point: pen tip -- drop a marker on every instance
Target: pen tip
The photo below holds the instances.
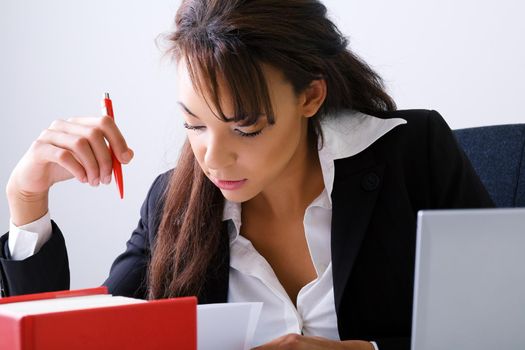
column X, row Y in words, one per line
column 106, row 95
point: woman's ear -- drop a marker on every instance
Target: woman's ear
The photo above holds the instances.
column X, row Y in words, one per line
column 312, row 97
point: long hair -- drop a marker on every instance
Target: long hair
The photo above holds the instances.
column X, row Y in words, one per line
column 228, row 41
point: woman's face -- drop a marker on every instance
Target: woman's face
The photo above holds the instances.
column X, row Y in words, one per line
column 257, row 156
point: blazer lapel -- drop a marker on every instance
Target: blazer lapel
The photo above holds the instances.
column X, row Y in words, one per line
column 356, row 186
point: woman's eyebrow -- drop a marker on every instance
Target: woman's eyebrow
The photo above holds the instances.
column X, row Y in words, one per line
column 187, row 110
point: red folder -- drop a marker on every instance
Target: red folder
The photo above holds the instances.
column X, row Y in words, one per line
column 155, row 324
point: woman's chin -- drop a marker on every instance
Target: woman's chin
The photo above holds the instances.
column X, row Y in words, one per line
column 238, row 196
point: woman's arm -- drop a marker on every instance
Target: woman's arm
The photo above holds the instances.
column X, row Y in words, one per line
column 48, row 269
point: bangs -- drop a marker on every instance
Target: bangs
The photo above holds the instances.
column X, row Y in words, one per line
column 240, row 74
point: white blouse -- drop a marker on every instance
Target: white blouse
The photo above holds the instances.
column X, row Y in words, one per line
column 251, row 276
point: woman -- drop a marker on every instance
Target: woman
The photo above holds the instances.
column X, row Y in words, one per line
column 298, row 185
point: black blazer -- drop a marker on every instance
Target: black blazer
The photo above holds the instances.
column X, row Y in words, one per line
column 376, row 196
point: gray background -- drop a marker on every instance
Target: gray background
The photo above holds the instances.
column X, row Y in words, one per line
column 462, row 58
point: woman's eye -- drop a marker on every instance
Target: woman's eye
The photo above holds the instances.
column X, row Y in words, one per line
column 248, row 134
column 191, row 127
column 241, row 133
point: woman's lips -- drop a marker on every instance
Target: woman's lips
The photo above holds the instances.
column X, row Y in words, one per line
column 229, row 185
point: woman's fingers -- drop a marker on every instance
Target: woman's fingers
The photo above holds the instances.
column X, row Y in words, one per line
column 81, row 148
column 62, row 157
column 111, row 133
column 99, row 132
column 97, row 143
column 299, row 342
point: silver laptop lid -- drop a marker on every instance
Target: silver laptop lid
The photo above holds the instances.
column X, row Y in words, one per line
column 469, row 288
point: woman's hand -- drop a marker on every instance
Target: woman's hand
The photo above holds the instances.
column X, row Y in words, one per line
column 300, row 342
column 75, row 147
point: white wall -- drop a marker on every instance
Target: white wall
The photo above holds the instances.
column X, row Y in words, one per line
column 462, row 58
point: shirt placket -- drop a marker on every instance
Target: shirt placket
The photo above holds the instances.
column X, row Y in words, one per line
column 260, row 269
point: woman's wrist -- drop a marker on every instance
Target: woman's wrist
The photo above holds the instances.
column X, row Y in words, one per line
column 26, row 207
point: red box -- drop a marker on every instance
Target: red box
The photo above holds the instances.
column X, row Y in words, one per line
column 155, row 324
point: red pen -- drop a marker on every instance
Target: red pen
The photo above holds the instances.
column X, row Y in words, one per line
column 107, row 109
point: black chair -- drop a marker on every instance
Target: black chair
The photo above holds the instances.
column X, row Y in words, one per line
column 497, row 153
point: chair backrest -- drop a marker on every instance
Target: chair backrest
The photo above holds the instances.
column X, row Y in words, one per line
column 497, row 153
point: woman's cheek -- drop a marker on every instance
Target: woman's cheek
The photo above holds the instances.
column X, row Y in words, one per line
column 199, row 150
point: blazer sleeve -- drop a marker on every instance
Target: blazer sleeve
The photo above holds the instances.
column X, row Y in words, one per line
column 45, row 271
column 450, row 183
column 128, row 273
column 48, row 270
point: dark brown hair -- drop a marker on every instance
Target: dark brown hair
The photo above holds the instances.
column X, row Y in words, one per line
column 228, row 41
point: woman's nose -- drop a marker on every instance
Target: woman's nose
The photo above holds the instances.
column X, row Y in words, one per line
column 219, row 154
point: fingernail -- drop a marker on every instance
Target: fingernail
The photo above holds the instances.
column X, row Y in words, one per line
column 107, row 179
column 95, row 182
column 126, row 156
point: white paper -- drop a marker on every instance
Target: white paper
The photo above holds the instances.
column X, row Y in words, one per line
column 227, row 326
column 35, row 307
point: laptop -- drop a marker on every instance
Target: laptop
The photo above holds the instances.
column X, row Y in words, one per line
column 469, row 288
